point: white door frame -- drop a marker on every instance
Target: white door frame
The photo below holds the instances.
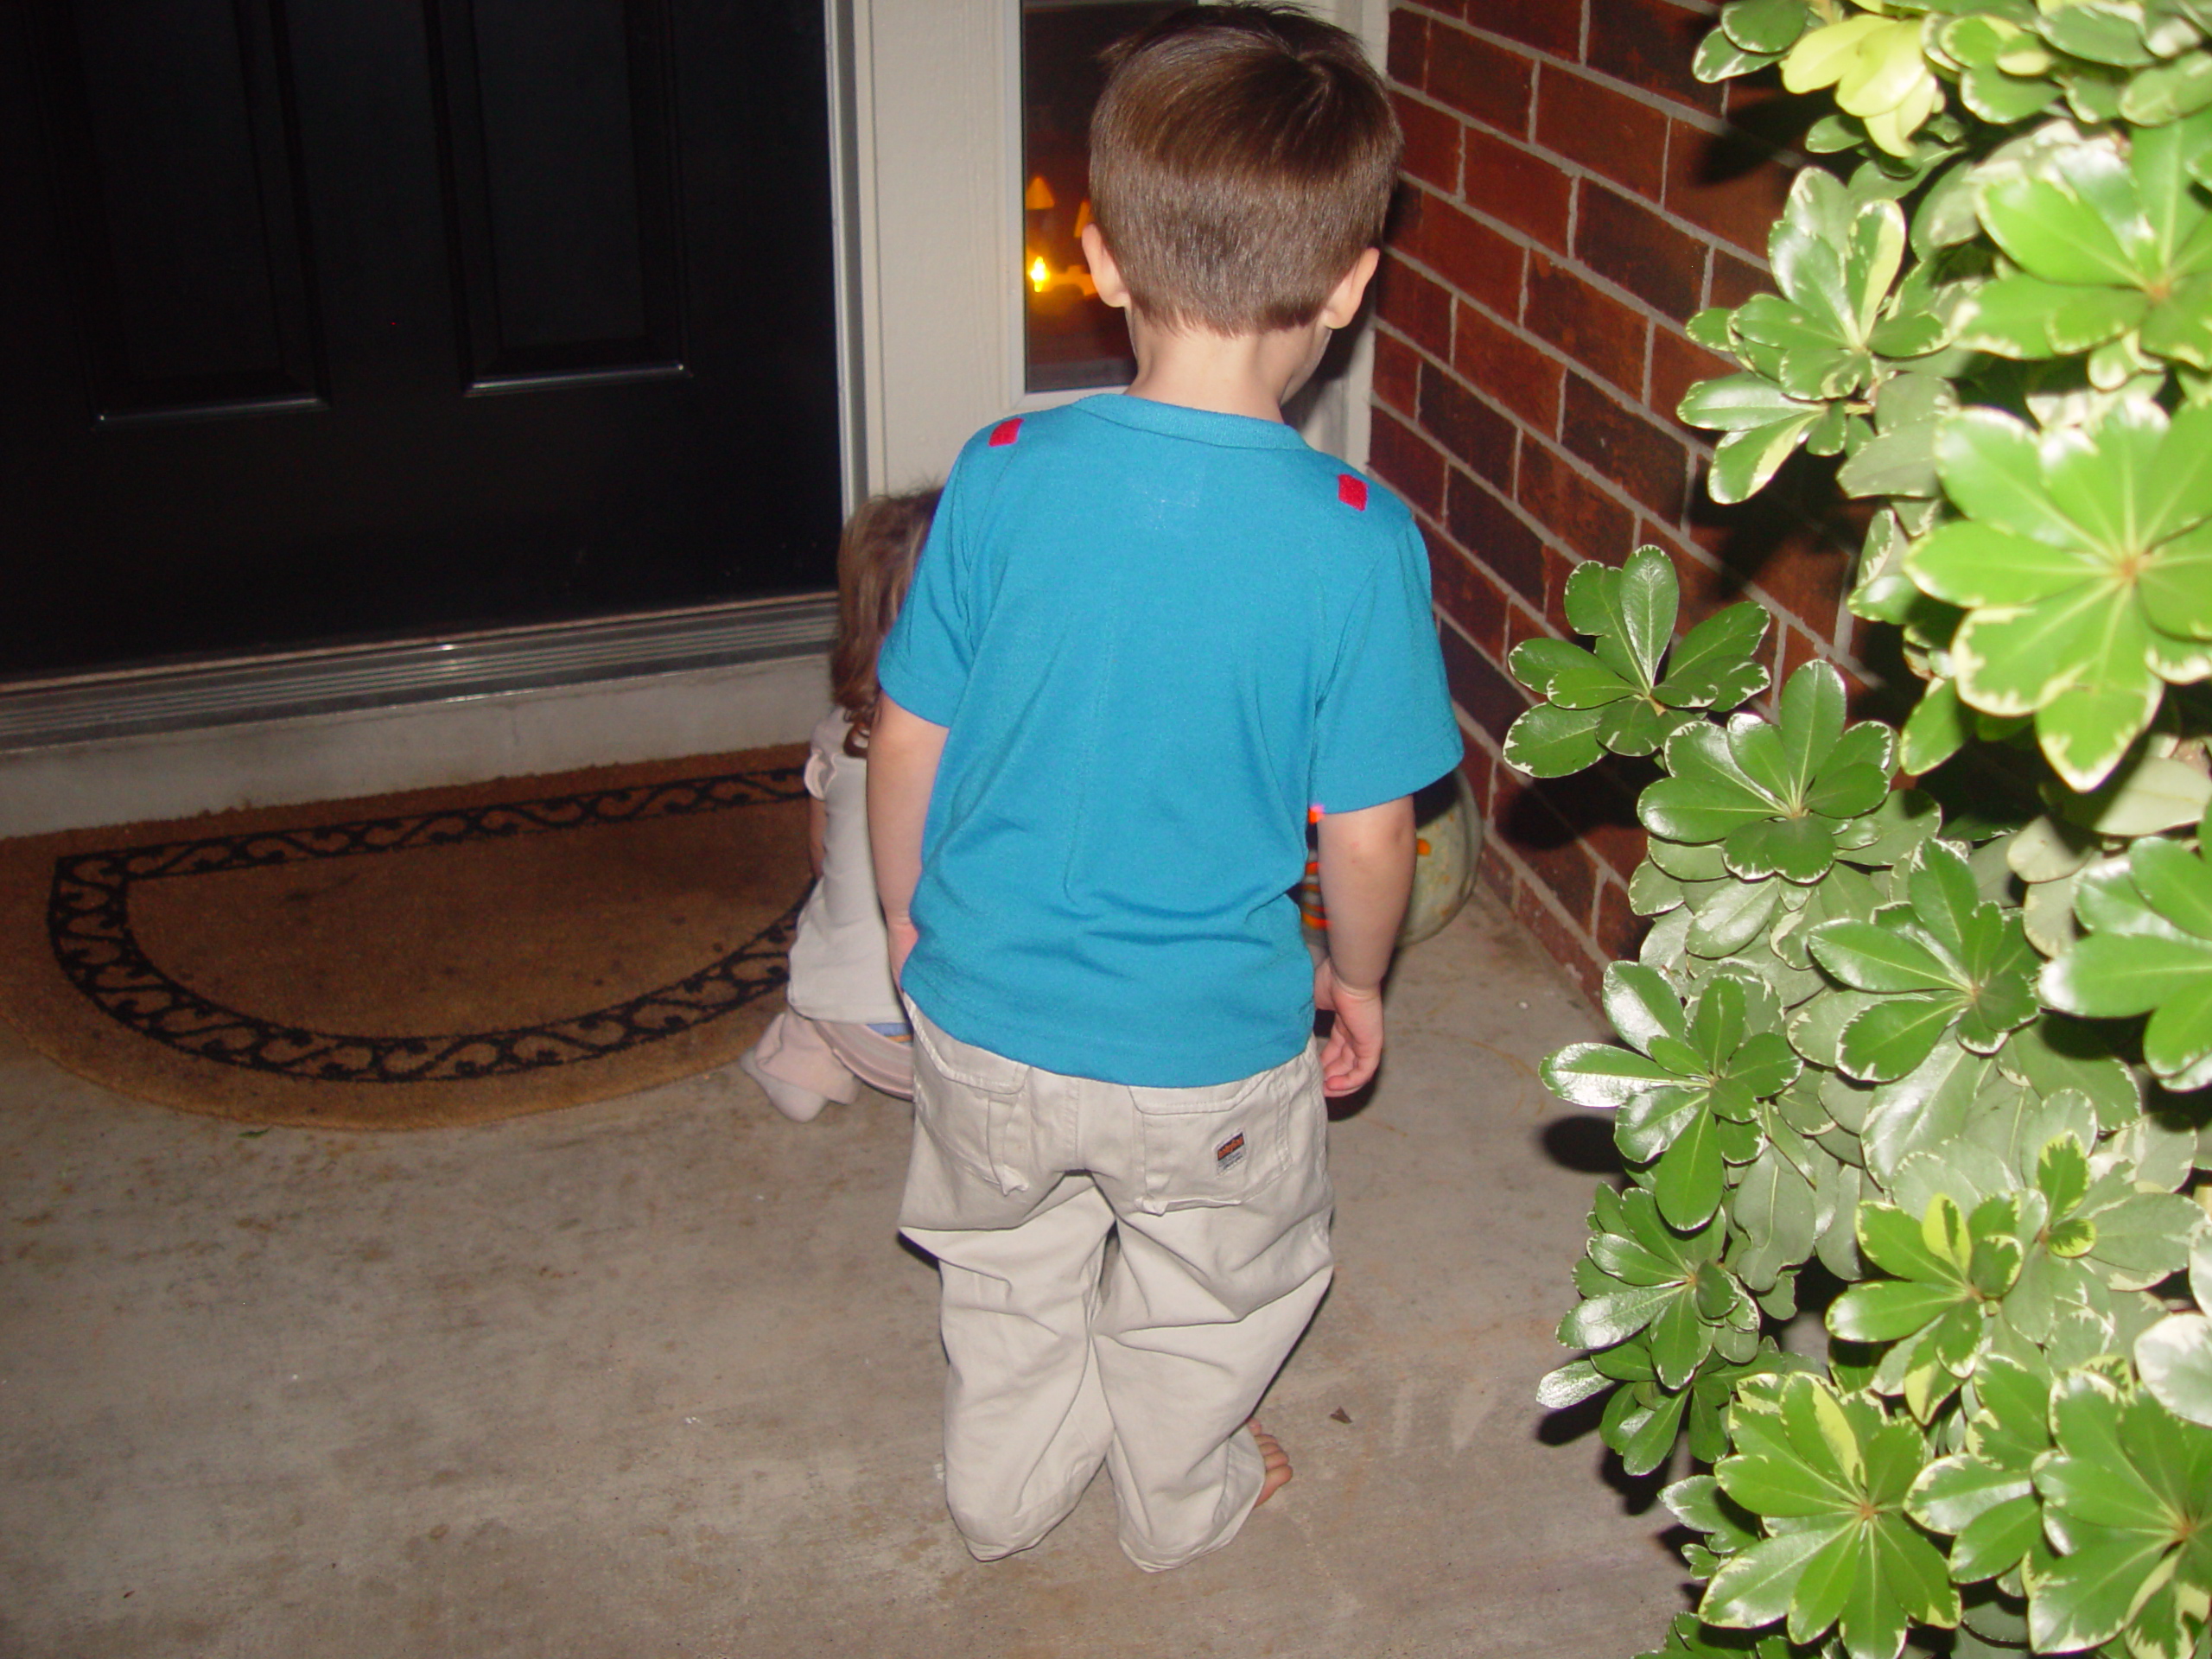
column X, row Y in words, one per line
column 925, row 100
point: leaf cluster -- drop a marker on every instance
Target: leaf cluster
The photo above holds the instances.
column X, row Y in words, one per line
column 1948, row 1084
column 1899, row 69
column 1840, row 1047
column 1629, row 692
column 2002, row 321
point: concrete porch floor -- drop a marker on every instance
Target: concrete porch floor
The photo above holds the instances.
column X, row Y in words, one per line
column 655, row 1378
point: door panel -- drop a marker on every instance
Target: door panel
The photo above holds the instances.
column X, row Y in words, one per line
column 564, row 210
column 182, row 204
column 326, row 230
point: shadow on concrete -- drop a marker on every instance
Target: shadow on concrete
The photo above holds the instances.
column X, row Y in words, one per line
column 1349, row 1106
column 1583, row 1141
column 1639, row 1494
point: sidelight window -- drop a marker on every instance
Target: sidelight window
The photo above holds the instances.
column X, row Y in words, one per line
column 1071, row 338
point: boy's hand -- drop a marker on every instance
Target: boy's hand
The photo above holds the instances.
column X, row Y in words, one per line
column 1355, row 1045
column 1367, row 870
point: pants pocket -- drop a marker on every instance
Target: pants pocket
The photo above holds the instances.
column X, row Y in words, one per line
column 967, row 1101
column 1218, row 1145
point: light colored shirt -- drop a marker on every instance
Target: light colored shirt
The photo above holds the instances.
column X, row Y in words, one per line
column 841, row 959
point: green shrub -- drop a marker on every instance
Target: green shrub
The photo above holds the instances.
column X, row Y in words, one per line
column 1914, row 1099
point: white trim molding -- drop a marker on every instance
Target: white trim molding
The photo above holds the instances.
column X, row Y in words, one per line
column 927, row 96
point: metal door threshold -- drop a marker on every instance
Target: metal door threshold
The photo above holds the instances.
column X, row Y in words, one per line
column 45, row 713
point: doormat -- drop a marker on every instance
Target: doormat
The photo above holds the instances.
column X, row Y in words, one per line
column 416, row 961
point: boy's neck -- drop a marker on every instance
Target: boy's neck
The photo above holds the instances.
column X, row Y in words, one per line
column 1229, row 374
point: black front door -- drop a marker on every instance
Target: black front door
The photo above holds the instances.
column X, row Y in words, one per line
column 324, row 320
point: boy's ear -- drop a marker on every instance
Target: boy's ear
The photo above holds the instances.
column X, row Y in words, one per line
column 1103, row 272
column 1343, row 303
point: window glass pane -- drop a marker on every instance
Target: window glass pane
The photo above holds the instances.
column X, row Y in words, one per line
column 1074, row 338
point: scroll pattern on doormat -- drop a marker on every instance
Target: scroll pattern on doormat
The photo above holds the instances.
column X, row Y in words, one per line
column 88, row 924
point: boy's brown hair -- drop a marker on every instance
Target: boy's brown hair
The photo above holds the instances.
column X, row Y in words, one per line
column 875, row 566
column 1241, row 157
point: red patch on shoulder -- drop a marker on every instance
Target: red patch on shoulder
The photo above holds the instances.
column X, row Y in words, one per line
column 1351, row 490
column 1005, row 432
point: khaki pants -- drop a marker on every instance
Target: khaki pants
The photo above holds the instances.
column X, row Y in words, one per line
column 1220, row 1198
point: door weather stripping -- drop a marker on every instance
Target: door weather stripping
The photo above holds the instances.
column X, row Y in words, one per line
column 87, row 708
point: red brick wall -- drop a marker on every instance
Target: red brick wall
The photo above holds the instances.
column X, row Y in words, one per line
column 1573, row 195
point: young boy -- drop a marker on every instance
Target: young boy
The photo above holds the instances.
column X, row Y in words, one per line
column 1149, row 634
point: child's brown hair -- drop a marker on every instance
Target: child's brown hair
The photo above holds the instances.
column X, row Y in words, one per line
column 1241, row 158
column 875, row 565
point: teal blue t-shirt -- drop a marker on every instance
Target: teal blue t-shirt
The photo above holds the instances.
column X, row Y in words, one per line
column 1157, row 636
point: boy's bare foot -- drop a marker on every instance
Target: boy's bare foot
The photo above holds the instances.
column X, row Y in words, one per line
column 1275, row 1461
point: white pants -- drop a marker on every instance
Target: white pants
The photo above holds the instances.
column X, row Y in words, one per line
column 832, row 1058
column 1220, row 1198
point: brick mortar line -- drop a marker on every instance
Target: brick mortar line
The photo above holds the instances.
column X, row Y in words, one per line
column 1567, row 167
column 1605, row 876
column 1573, row 215
column 1543, row 347
column 1601, row 872
column 1554, row 447
column 1829, row 652
column 1544, row 532
column 1511, row 499
column 1604, row 284
column 1445, row 618
column 1520, row 437
column 1513, row 598
column 1588, row 471
column 1825, row 646
column 1587, row 370
column 1549, row 899
column 1553, row 443
column 1828, row 646
column 1651, row 351
column 1574, row 172
column 1658, row 102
